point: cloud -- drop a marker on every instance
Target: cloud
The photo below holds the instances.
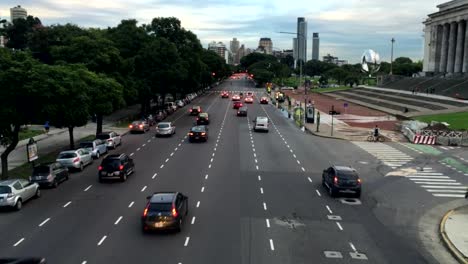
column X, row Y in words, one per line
column 346, row 27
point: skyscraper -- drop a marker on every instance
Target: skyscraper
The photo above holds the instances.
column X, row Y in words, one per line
column 295, row 49
column 219, row 48
column 302, row 39
column 18, row 12
column 266, row 44
column 234, row 45
column 315, row 46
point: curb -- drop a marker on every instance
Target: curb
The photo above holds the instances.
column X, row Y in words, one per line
column 448, row 244
column 323, row 136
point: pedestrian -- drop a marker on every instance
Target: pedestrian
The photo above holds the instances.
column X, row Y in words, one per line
column 376, row 133
column 46, row 127
column 413, row 90
column 427, row 91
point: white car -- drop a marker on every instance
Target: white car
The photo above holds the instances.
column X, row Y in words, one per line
column 14, row 192
column 75, row 159
column 113, row 139
column 180, row 103
column 261, row 123
column 165, row 129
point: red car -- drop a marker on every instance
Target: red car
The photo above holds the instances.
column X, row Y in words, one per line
column 264, row 100
column 248, row 100
column 224, row 95
column 237, row 105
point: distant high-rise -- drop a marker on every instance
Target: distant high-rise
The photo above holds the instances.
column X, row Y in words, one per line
column 266, row 44
column 234, row 45
column 302, row 39
column 219, row 48
column 315, row 46
column 295, row 48
column 18, row 12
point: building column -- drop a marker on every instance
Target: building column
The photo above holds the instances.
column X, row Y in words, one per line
column 465, row 55
column 460, row 46
column 444, row 48
column 440, row 30
column 451, row 47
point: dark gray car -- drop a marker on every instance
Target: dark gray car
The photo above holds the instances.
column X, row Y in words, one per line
column 49, row 174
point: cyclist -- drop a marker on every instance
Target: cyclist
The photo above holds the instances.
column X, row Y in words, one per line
column 376, row 133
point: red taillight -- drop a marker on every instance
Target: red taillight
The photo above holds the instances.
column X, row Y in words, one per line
column 130, row 126
column 203, row 133
column 145, row 212
column 335, row 180
column 76, row 160
column 359, row 181
column 190, row 134
column 141, row 126
column 197, row 118
column 190, row 110
column 174, row 212
column 100, row 168
column 121, row 167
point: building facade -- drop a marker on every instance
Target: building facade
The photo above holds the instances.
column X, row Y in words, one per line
column 2, row 42
column 446, row 39
column 18, row 12
column 302, row 39
column 315, row 46
column 267, row 45
column 220, row 49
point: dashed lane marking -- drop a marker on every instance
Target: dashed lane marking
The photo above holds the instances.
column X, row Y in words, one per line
column 206, row 177
column 352, row 246
column 318, row 193
column 198, row 204
column 264, row 206
column 193, row 220
column 339, row 226
column 187, row 239
column 154, row 175
column 44, row 222
column 138, row 149
column 310, row 180
column 259, row 178
column 162, row 166
column 19, row 242
column 118, row 220
column 131, row 204
column 202, row 189
column 261, row 190
column 267, row 223
column 172, row 154
column 87, row 188
column 131, row 154
column 329, row 210
column 102, row 240
column 67, row 204
column 143, row 189
column 272, row 246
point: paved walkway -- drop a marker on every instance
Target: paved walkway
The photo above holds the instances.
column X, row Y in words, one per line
column 454, row 231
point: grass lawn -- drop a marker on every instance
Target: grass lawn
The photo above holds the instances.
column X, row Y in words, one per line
column 333, row 89
column 27, row 133
column 457, row 121
column 25, row 170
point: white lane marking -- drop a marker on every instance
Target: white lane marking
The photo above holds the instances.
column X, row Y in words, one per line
column 291, row 150
column 256, row 167
column 143, row 189
column 255, row 155
column 256, row 161
column 289, row 146
column 67, row 204
column 214, row 149
column 102, row 240
column 310, row 180
column 19, row 242
column 87, row 188
column 272, row 246
column 253, row 150
column 131, row 204
column 176, row 149
column 187, row 239
column 253, row 146
column 298, row 162
column 209, row 166
column 180, row 144
column 193, row 220
column 167, row 160
column 162, row 166
column 261, row 190
column 294, row 155
column 44, row 222
column 172, row 154
column 259, row 178
column 352, row 246
column 84, row 262
column 138, row 149
column 206, row 177
column 213, row 155
column 154, row 176
column 318, row 193
column 264, row 206
column 198, row 204
column 268, row 223
column 143, row 145
column 211, row 160
column 203, row 189
column 149, row 140
column 339, row 226
column 303, row 169
column 329, row 210
column 118, row 220
column 131, row 154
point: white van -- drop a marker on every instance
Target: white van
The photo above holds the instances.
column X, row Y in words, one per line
column 261, row 123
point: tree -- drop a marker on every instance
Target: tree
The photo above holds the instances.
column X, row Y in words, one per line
column 252, row 58
column 317, row 68
column 288, row 61
column 262, row 76
column 19, row 30
column 338, row 74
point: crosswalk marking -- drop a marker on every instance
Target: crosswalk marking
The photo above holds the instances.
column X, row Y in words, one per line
column 385, row 153
column 438, row 184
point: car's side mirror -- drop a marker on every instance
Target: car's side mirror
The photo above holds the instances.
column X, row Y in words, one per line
column 148, row 197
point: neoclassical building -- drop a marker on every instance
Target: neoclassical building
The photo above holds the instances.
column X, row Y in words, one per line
column 446, row 39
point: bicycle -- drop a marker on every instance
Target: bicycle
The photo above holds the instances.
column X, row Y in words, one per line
column 379, row 138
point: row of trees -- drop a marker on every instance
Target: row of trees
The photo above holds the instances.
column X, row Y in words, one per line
column 65, row 74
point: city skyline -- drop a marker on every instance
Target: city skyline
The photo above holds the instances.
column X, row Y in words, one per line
column 344, row 32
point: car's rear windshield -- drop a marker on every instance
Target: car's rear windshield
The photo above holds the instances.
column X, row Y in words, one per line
column 67, row 155
column 195, row 107
column 86, row 145
column 136, row 123
column 5, row 189
column 203, row 115
column 41, row 170
column 198, row 129
column 160, row 207
column 163, row 125
column 347, row 174
column 103, row 136
column 111, row 163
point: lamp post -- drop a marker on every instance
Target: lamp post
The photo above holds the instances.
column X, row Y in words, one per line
column 300, row 75
column 391, row 58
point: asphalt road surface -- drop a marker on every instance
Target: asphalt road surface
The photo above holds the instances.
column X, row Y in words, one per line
column 253, row 198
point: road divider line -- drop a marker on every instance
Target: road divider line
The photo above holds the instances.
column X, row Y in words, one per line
column 211, row 160
column 144, row 144
column 329, row 210
column 339, row 226
column 203, row 189
column 87, row 188
column 310, row 180
column 149, row 140
column 131, row 204
column 294, row 155
column 118, row 220
column 44, row 222
column 256, row 167
column 302, row 169
column 176, row 149
column 267, row 223
column 298, row 162
column 172, row 154
column 143, row 189
column 193, row 220
column 264, row 206
column 206, row 177
column 318, row 193
column 102, row 240
column 213, row 155
column 352, row 246
column 187, row 239
column 162, row 166
column 154, row 175
column 198, row 204
column 272, row 246
column 259, row 178
column 19, row 242
column 209, row 166
column 138, row 149
column 261, row 190
column 84, row 262
column 131, row 154
column 256, row 161
column 67, row 204
column 167, row 160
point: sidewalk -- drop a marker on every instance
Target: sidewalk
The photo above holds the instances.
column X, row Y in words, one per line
column 454, row 232
column 58, row 139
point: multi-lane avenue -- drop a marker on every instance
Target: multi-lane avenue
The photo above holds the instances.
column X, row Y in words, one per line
column 253, row 198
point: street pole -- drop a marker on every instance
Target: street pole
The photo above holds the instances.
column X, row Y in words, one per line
column 391, row 58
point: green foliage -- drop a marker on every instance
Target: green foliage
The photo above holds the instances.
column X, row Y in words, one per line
column 253, row 58
column 19, row 30
column 457, row 121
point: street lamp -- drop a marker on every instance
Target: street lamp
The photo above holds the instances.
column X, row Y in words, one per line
column 391, row 58
column 300, row 73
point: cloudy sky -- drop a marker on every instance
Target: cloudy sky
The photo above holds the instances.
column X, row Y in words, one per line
column 346, row 27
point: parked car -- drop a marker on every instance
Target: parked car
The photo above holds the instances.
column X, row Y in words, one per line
column 75, row 159
column 139, row 126
column 164, row 211
column 14, row 192
column 242, row 111
column 116, row 166
column 180, row 103
column 49, row 174
column 160, row 116
column 338, row 179
column 165, row 129
column 97, row 147
column 111, row 138
column 171, row 105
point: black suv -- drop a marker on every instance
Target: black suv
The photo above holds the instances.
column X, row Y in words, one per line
column 338, row 179
column 203, row 119
column 164, row 210
column 116, row 166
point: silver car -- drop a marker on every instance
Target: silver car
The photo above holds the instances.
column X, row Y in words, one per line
column 97, row 147
column 14, row 192
column 165, row 129
column 113, row 139
column 75, row 159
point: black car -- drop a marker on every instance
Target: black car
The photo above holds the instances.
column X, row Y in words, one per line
column 164, row 210
column 203, row 119
column 49, row 174
column 341, row 179
column 242, row 111
column 198, row 133
column 195, row 110
column 116, row 166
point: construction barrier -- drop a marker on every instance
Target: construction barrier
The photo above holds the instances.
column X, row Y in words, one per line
column 426, row 140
